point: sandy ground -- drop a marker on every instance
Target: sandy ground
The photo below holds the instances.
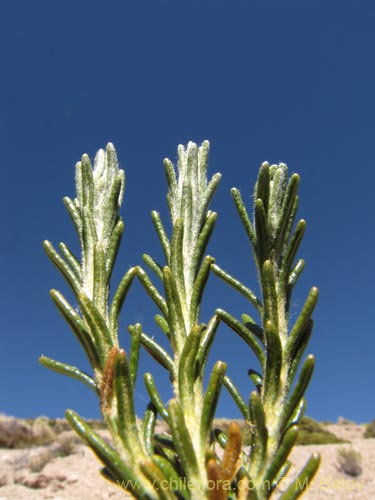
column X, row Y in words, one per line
column 76, row 476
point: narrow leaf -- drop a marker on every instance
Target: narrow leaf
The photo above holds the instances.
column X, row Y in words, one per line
column 245, row 219
column 175, row 315
column 78, row 326
column 157, row 478
column 211, row 397
column 155, row 396
column 153, row 265
column 119, row 297
column 237, row 285
column 303, row 480
column 253, row 326
column 244, row 333
column 161, row 234
column 62, row 266
column 207, row 337
column 96, row 323
column 187, row 365
column 155, row 350
column 238, row 399
column 262, row 187
column 198, row 288
column 270, row 297
column 108, row 456
column 182, row 439
column 282, row 453
column 127, row 422
column 74, row 215
column 299, row 327
column 70, row 371
column 71, row 260
column 257, row 379
column 134, row 353
column 294, row 399
column 271, row 381
column 152, row 291
column 203, row 239
column 113, row 247
column 260, row 433
column 148, row 425
column 262, row 232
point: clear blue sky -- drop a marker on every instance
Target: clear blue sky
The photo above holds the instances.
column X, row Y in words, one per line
column 277, row 81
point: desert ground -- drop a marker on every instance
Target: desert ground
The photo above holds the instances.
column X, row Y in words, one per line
column 36, row 473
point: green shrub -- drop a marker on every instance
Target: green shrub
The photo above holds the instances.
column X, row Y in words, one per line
column 349, row 461
column 185, row 459
column 311, row 432
column 370, row 430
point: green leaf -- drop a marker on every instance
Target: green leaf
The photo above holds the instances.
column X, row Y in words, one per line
column 262, row 187
column 148, row 426
column 71, row 261
column 187, row 365
column 295, row 398
column 182, row 439
column 175, row 316
column 70, row 371
column 127, row 422
column 207, row 337
column 157, row 478
column 161, row 234
column 256, row 378
column 286, row 212
column 298, row 350
column 68, row 273
column 198, row 288
column 303, row 480
column 155, row 396
column 152, row 291
column 170, row 174
column 292, row 248
column 262, row 232
column 203, row 239
column 108, row 456
column 270, row 296
column 245, row 219
column 113, row 247
column 119, row 297
column 78, row 327
column 74, row 215
column 176, row 483
column 253, row 326
column 155, row 350
column 163, row 324
column 271, row 381
column 211, row 398
column 153, row 265
column 260, row 433
column 135, row 346
column 237, row 285
column 97, row 325
column 244, row 333
column 299, row 329
column 282, row 453
column 177, row 258
column 238, row 399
